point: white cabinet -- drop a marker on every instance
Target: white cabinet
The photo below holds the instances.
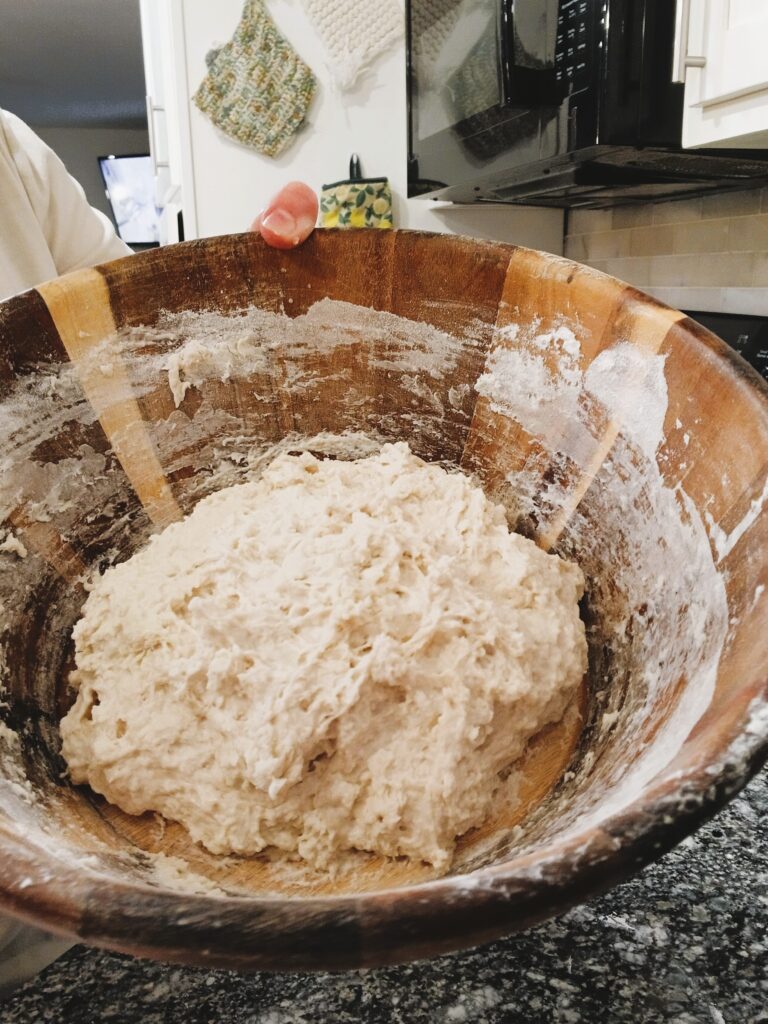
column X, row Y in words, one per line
column 723, row 57
column 162, row 28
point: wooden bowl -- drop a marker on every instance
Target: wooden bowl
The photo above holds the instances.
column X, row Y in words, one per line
column 614, row 431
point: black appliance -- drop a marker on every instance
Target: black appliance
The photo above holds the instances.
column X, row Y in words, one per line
column 565, row 103
column 747, row 334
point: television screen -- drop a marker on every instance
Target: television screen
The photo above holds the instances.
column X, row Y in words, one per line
column 130, row 187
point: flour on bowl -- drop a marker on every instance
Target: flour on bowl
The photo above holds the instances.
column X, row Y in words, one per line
column 597, row 495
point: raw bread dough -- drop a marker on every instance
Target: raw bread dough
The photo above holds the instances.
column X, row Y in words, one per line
column 340, row 655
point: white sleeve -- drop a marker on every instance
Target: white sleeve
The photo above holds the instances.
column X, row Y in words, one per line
column 77, row 235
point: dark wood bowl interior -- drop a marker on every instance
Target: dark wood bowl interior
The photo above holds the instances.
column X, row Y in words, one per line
column 612, row 429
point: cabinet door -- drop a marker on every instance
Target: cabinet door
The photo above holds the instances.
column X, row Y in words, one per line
column 726, row 97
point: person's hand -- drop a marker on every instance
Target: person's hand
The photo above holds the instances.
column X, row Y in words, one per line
column 289, row 218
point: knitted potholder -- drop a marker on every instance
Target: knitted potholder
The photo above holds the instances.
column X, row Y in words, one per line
column 353, row 35
column 257, row 89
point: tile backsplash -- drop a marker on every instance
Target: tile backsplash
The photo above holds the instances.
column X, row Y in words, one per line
column 709, row 253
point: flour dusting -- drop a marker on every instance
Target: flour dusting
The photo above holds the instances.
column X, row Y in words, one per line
column 662, row 604
column 261, row 342
column 631, row 386
column 725, row 542
column 175, row 873
column 11, row 545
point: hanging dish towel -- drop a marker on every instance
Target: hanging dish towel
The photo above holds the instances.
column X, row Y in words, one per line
column 356, row 202
column 354, row 34
column 257, row 88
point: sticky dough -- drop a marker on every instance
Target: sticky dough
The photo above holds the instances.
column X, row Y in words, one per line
column 340, row 655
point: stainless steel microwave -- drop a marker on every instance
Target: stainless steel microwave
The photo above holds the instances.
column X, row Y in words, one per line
column 554, row 103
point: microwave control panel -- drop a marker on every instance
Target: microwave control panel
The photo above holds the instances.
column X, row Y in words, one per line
column 572, row 44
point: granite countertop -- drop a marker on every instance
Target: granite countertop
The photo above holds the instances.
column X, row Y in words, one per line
column 686, row 941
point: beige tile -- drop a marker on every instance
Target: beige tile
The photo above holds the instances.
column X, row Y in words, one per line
column 588, row 221
column 720, row 270
column 662, row 294
column 677, row 212
column 576, row 247
column 702, row 236
column 600, row 265
column 704, row 299
column 633, row 216
column 749, row 234
column 759, row 270
column 605, row 245
column 752, row 301
column 730, row 204
column 668, row 271
column 707, row 299
column 651, row 241
column 701, row 271
column 635, row 270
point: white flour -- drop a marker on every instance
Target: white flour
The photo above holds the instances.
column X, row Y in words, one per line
column 726, row 542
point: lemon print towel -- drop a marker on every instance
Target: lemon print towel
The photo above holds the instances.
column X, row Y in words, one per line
column 356, row 202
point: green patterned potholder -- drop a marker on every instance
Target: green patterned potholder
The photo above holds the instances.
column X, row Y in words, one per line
column 356, row 202
column 257, row 89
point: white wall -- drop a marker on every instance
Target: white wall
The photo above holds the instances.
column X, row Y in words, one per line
column 80, row 149
column 232, row 182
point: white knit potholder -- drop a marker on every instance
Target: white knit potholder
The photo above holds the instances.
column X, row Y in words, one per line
column 354, row 33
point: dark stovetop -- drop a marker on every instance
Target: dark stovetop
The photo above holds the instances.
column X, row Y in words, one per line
column 747, row 334
column 682, row 943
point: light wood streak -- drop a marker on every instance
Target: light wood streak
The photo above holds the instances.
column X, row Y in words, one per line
column 80, row 308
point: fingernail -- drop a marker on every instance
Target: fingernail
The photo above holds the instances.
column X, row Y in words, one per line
column 283, row 225
column 306, row 225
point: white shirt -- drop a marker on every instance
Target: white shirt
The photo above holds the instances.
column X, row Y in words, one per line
column 47, row 227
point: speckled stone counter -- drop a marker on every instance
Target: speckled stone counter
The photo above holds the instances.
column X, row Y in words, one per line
column 685, row 942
